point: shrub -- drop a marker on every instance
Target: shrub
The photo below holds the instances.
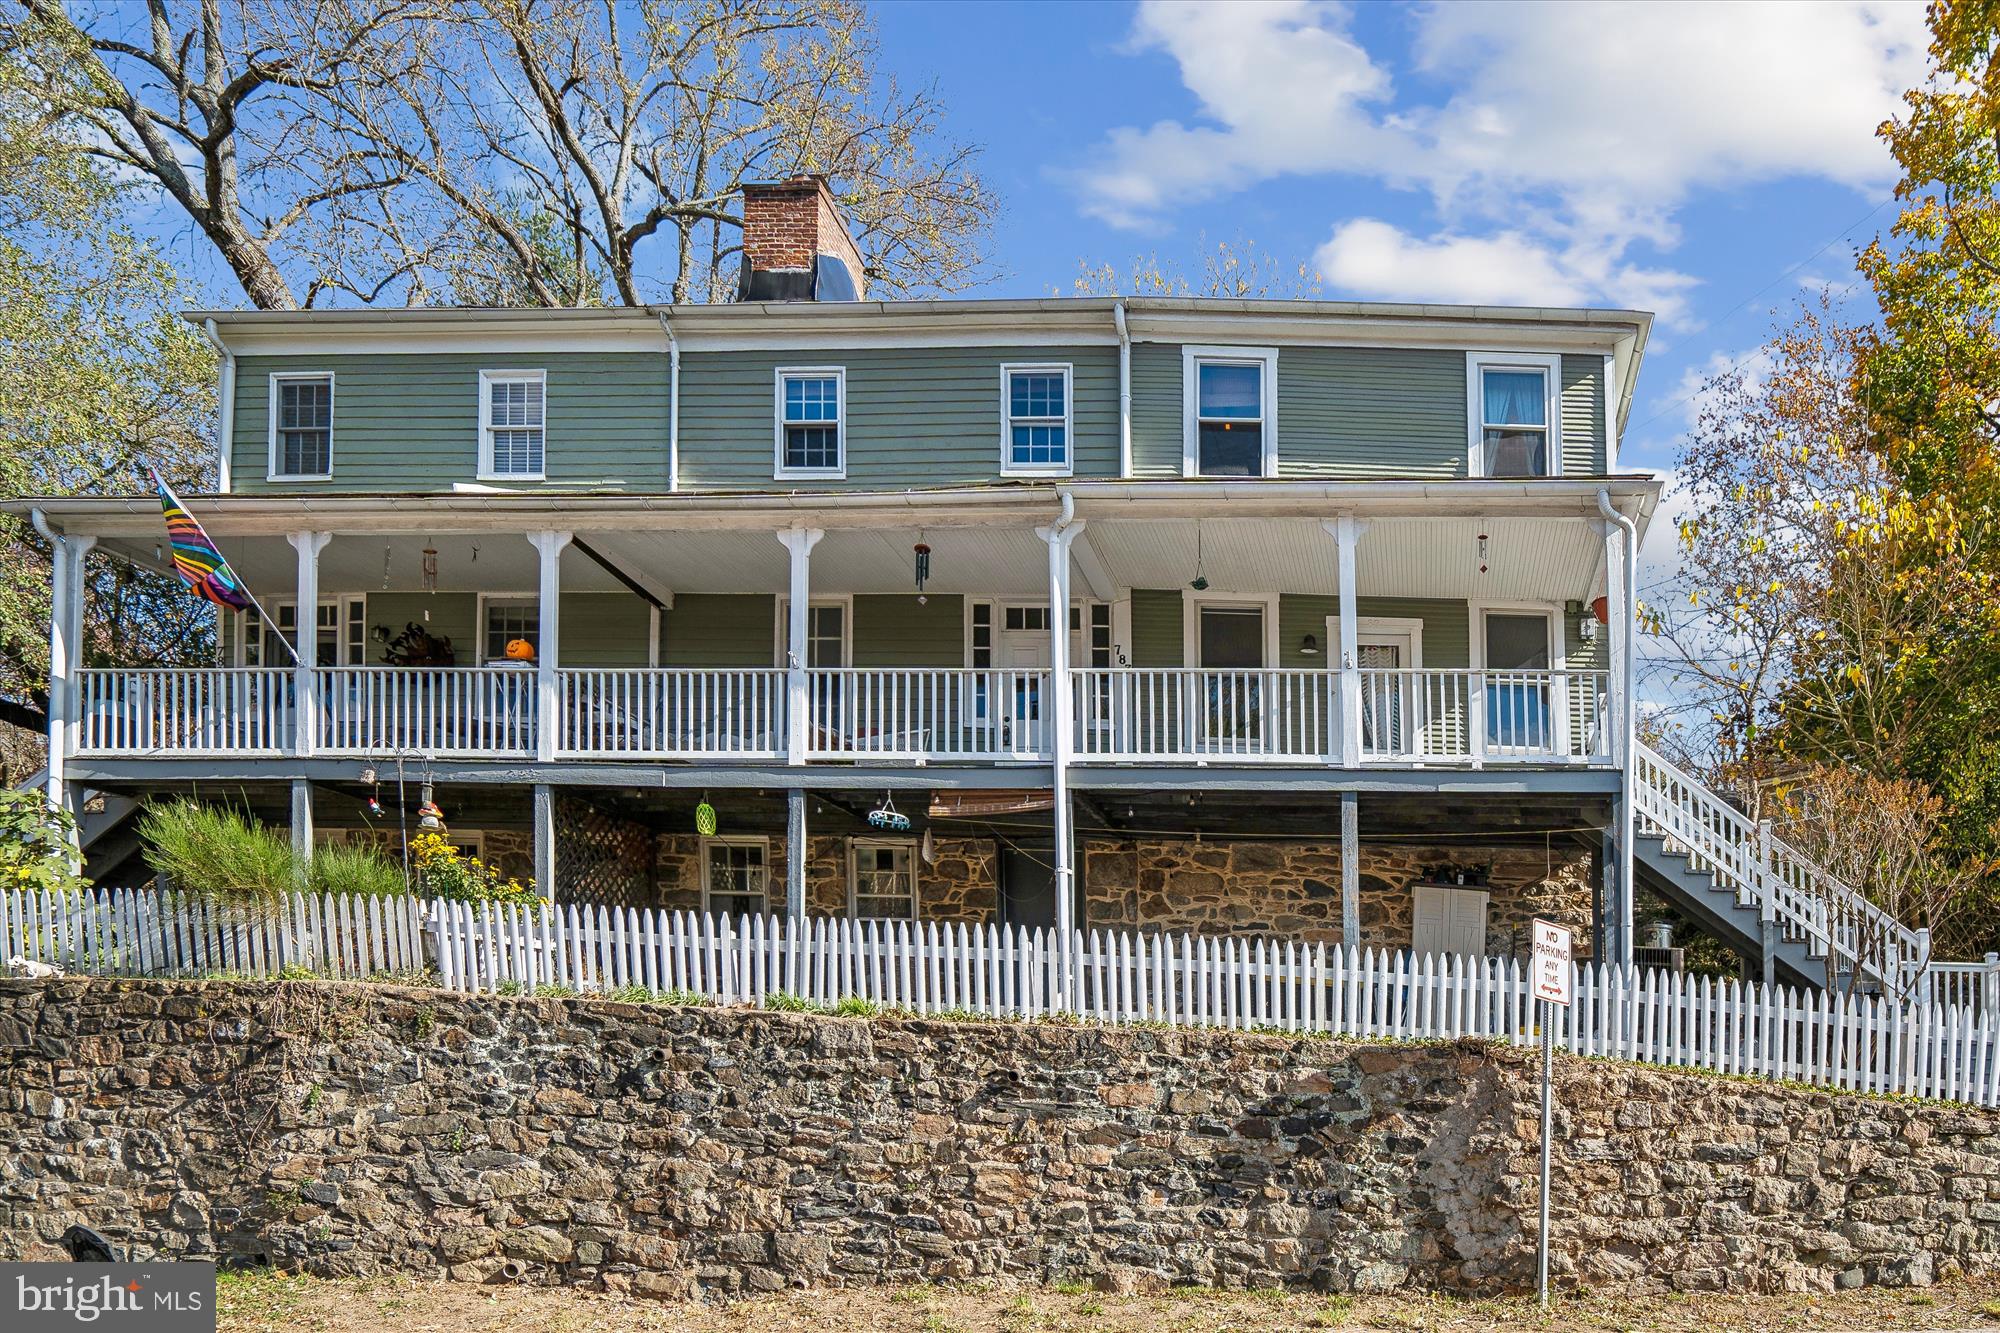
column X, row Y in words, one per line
column 35, row 845
column 347, row 869
column 447, row 873
column 218, row 853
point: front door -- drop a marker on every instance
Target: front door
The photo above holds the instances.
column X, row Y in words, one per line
column 1449, row 922
column 1027, row 887
column 1391, row 696
column 1231, row 647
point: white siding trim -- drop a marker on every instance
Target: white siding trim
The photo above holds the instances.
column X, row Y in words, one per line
column 1550, row 364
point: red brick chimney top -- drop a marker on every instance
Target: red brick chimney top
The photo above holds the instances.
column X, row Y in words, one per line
column 787, row 225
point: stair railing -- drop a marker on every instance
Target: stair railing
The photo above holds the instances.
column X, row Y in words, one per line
column 1769, row 874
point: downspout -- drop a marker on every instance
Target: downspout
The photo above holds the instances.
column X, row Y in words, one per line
column 1059, row 534
column 1124, row 393
column 1627, row 714
column 673, row 404
column 225, row 427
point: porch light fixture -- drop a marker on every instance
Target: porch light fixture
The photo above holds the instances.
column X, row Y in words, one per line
column 1309, row 646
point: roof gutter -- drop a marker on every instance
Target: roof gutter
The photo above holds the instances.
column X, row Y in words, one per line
column 225, row 425
column 673, row 404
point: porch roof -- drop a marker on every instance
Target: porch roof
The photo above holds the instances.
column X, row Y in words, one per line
column 1422, row 538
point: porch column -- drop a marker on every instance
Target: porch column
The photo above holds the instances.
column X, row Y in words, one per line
column 548, row 643
column 65, row 652
column 795, row 854
column 545, row 841
column 1617, row 553
column 305, row 643
column 1347, row 535
column 1062, row 741
column 1350, row 869
column 302, row 819
column 798, row 729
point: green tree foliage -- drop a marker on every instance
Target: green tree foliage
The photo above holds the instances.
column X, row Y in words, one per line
column 98, row 376
column 35, row 845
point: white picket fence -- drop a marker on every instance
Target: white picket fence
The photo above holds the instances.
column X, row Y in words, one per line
column 1862, row 1043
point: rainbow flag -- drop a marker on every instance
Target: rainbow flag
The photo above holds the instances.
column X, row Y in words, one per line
column 196, row 560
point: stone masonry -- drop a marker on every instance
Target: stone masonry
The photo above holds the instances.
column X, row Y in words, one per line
column 352, row 1129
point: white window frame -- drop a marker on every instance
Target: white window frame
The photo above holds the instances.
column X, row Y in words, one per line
column 1476, row 363
column 274, row 457
column 487, row 599
column 907, row 846
column 1191, row 604
column 1550, row 611
column 778, row 377
column 344, row 641
column 1381, row 627
column 488, row 378
column 1192, row 358
column 1009, row 468
column 782, row 632
column 763, row 844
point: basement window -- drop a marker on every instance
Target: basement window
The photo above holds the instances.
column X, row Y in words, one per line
column 882, row 879
column 735, row 876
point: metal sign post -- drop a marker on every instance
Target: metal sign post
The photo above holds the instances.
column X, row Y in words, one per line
column 1550, row 963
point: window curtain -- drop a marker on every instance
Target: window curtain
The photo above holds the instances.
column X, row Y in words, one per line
column 1516, row 398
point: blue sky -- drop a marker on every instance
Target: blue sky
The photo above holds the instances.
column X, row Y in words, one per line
column 1688, row 159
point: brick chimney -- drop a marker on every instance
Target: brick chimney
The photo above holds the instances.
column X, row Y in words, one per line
column 795, row 246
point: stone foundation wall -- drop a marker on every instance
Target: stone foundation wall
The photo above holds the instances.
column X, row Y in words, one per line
column 1293, row 888
column 360, row 1129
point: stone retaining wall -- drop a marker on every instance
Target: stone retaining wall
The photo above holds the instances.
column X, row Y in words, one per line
column 356, row 1129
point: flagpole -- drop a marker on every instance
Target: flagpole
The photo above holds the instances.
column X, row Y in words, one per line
column 263, row 616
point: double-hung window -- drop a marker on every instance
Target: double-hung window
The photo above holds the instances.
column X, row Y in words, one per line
column 812, row 421
column 1230, row 411
column 735, row 876
column 507, row 619
column 1515, row 414
column 512, row 427
column 301, row 427
column 1036, row 421
column 882, row 880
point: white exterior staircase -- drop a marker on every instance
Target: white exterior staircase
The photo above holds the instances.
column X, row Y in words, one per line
column 1756, row 892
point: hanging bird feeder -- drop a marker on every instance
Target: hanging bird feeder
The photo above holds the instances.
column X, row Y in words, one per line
column 887, row 816
column 429, row 817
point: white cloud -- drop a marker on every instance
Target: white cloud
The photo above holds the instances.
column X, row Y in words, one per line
column 1572, row 132
column 1371, row 258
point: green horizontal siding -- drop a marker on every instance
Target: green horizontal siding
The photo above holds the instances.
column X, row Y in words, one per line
column 719, row 630
column 891, row 630
column 410, row 422
column 1371, row 412
column 605, row 629
column 1156, row 627
column 1156, row 410
column 1446, row 627
column 453, row 615
column 1583, row 434
column 916, row 416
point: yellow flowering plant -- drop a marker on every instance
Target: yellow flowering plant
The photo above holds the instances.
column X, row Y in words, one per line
column 449, row 873
column 35, row 845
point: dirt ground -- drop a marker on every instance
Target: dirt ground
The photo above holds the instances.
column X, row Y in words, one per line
column 257, row 1303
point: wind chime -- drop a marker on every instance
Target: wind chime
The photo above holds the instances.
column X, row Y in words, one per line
column 923, row 554
column 430, row 575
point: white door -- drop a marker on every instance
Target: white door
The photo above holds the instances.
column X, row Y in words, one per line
column 1449, row 922
column 1022, row 644
column 1388, row 700
column 1230, row 641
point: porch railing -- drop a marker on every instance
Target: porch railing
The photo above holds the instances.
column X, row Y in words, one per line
column 673, row 714
column 1412, row 716
column 1195, row 714
column 186, row 710
column 436, row 710
column 926, row 713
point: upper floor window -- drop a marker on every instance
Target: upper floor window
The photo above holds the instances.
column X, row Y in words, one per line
column 301, row 427
column 1036, row 429
column 1230, row 411
column 512, row 428
column 1514, row 410
column 812, row 413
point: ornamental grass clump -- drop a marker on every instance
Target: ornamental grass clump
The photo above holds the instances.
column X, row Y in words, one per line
column 224, row 855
